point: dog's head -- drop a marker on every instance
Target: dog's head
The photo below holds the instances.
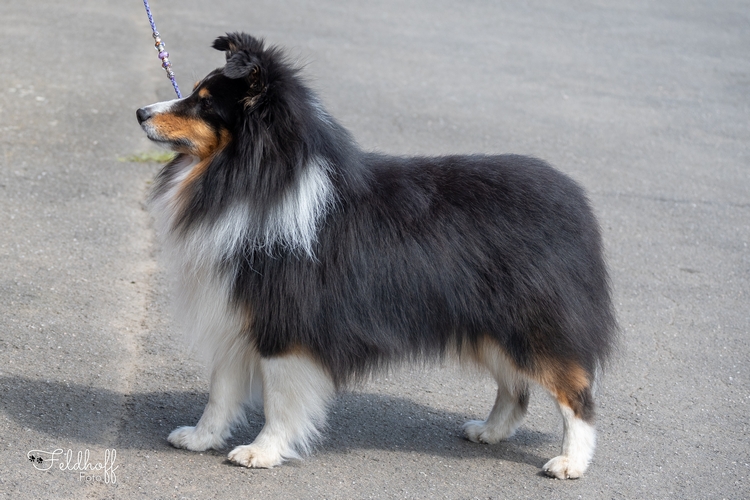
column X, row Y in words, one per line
column 208, row 119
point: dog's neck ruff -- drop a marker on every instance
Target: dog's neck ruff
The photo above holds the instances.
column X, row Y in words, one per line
column 291, row 224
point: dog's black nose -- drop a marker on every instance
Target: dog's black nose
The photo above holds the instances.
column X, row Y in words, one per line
column 142, row 114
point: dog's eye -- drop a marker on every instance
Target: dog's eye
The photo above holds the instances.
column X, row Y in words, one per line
column 206, row 103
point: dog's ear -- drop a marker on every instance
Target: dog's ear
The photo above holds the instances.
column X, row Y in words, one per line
column 235, row 42
column 242, row 65
column 226, row 44
column 241, row 52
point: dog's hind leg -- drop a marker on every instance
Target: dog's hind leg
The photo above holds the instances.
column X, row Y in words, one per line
column 511, row 402
column 506, row 416
column 571, row 387
column 296, row 392
column 234, row 380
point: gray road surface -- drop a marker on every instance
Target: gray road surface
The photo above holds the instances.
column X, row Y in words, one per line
column 646, row 103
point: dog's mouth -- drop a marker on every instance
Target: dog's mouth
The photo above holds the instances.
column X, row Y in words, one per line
column 153, row 134
column 175, row 144
column 181, row 145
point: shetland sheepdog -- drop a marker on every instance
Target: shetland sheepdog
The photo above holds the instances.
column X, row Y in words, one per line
column 304, row 264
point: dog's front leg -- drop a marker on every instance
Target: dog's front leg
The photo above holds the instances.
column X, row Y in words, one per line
column 296, row 392
column 234, row 379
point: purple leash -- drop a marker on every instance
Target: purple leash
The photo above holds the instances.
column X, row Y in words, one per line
column 163, row 54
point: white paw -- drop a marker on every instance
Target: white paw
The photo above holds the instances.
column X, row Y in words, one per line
column 191, row 439
column 479, row 432
column 251, row 455
column 563, row 467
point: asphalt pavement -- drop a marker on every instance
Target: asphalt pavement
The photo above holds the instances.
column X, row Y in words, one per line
column 646, row 104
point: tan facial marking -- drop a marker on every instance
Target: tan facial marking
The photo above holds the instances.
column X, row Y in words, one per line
column 202, row 138
column 200, row 168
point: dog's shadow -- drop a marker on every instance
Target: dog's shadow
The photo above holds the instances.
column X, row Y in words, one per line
column 74, row 412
